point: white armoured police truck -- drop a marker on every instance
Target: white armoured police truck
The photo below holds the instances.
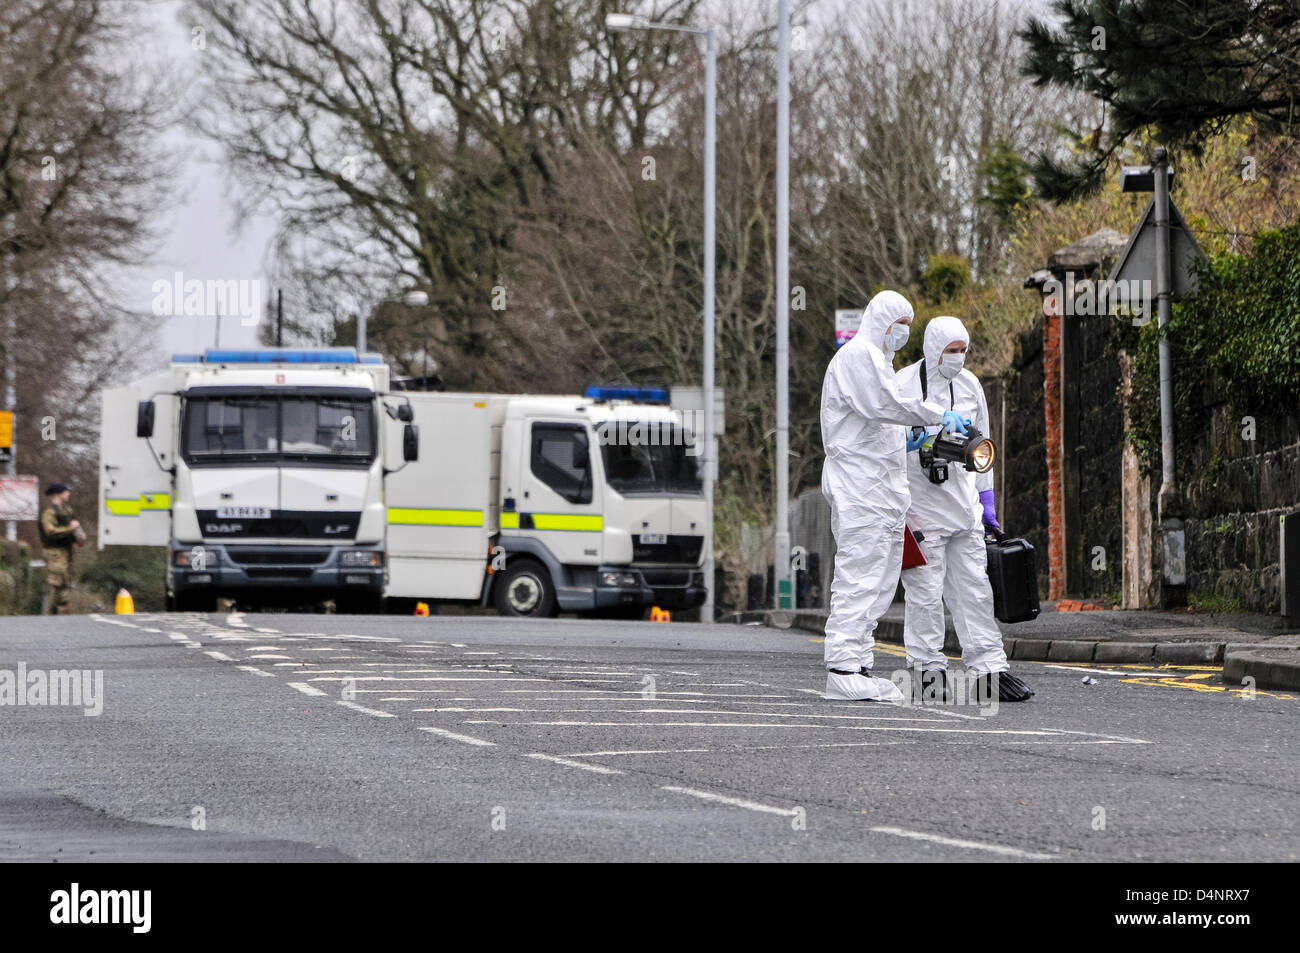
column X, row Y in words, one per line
column 289, row 477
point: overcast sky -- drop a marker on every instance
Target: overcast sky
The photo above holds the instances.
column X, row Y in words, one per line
column 200, row 236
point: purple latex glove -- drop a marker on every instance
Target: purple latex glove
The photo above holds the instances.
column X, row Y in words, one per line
column 990, row 512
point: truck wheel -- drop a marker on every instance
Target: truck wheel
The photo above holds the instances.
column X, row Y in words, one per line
column 525, row 589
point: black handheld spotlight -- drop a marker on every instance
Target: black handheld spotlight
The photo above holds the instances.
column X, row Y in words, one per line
column 971, row 449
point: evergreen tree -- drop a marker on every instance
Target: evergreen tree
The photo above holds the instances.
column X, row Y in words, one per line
column 1185, row 69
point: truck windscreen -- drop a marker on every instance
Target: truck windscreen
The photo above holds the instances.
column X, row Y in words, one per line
column 656, row 466
column 278, row 427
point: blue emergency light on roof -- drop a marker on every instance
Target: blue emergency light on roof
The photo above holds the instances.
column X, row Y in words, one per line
column 642, row 395
column 275, row 355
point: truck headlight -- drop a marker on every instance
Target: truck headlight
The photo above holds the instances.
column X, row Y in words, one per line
column 620, row 579
column 362, row 557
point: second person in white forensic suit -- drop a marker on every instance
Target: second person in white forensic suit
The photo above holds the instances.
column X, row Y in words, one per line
column 864, row 418
column 951, row 517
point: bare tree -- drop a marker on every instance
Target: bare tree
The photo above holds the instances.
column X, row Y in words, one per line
column 81, row 181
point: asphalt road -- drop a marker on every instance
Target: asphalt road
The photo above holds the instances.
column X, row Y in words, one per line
column 291, row 737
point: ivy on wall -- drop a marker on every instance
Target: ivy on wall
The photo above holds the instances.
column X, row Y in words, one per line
column 1236, row 340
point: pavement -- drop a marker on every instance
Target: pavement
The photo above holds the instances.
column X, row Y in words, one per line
column 323, row 737
column 1247, row 645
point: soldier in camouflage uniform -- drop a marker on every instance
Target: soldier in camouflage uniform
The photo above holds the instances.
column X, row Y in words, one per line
column 59, row 534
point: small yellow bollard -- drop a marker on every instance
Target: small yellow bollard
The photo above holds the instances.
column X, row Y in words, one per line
column 660, row 615
column 422, row 608
column 125, row 604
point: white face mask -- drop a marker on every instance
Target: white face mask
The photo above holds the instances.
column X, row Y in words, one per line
column 897, row 336
column 950, row 365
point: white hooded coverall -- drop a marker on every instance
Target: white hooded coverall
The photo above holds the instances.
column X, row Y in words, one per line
column 864, row 419
column 950, row 517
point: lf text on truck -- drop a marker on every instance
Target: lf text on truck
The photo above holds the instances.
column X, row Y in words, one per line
column 280, row 477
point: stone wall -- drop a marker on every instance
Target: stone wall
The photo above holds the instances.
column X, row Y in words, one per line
column 1233, row 491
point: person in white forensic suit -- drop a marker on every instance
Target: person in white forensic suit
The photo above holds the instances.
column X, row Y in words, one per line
column 865, row 418
column 951, row 518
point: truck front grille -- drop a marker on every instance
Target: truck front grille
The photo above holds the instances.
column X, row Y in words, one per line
column 678, row 549
column 291, row 557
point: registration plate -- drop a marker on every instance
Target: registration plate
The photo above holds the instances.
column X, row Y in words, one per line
column 243, row 512
column 654, row 539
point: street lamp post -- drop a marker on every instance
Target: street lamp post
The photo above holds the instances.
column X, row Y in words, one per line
column 627, row 23
column 781, row 535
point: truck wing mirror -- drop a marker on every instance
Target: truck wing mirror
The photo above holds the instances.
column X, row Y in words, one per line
column 144, row 413
column 579, row 456
column 410, row 443
column 405, row 413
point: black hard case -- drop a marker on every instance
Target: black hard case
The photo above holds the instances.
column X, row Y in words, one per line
column 1014, row 578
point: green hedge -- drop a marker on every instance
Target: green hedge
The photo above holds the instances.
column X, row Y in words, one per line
column 1236, row 339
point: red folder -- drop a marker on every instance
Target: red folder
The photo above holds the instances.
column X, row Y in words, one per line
column 912, row 555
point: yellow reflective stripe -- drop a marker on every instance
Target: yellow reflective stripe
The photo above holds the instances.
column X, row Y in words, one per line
column 592, row 524
column 145, row 501
column 555, row 521
column 415, row 516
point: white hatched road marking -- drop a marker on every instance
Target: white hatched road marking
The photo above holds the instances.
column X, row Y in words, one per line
column 732, row 801
column 255, row 670
column 570, row 763
column 444, row 733
column 373, row 712
column 306, row 689
column 219, row 656
column 969, row 844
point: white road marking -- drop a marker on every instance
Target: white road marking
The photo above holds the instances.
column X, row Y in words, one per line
column 569, row 763
column 219, row 656
column 444, row 733
column 306, row 689
column 969, row 844
column 421, row 678
column 733, row 801
column 366, row 711
column 688, row 711
column 178, row 636
column 608, row 754
column 255, row 670
column 269, row 656
column 1109, row 671
column 761, row 724
column 267, row 631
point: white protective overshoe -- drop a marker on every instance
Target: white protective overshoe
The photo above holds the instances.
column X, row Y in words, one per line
column 860, row 688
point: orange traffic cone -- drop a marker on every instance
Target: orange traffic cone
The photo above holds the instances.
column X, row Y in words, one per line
column 125, row 604
column 422, row 608
column 660, row 615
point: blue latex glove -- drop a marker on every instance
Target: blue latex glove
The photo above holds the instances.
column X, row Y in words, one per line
column 990, row 511
column 955, row 421
column 915, row 438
